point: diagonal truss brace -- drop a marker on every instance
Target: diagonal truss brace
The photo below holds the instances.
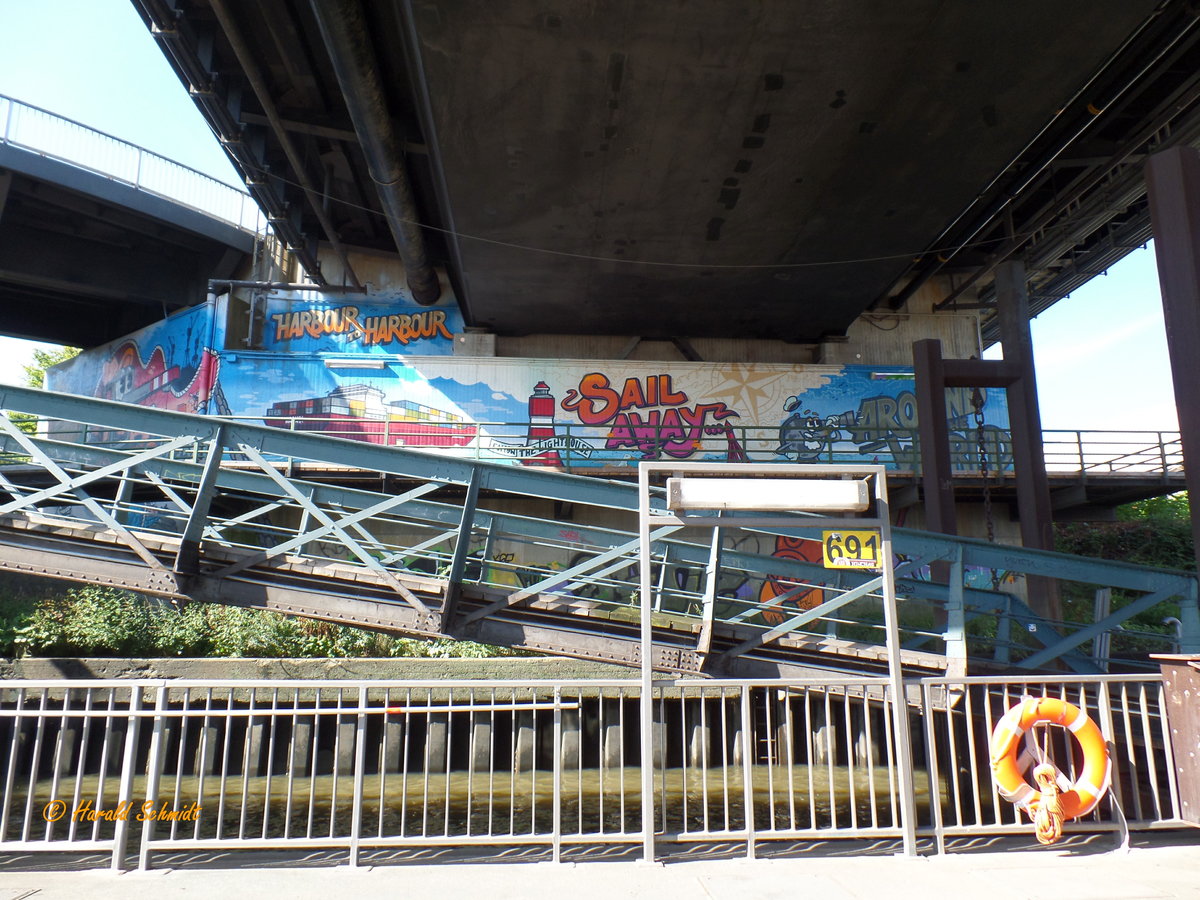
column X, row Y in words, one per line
column 187, row 560
column 69, row 485
column 331, row 526
column 711, row 574
column 1084, row 635
column 802, row 619
column 558, row 578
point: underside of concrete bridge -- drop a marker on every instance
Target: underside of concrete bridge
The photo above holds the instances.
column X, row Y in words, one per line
column 769, row 170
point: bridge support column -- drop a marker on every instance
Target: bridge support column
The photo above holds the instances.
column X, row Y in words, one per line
column 393, row 744
column 525, row 751
column 570, row 740
column 699, row 737
column 437, row 743
column 346, row 736
column 481, row 741
column 613, row 735
column 1173, row 188
column 823, row 742
column 1015, row 374
column 301, row 752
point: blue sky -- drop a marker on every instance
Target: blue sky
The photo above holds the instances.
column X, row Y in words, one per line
column 1101, row 354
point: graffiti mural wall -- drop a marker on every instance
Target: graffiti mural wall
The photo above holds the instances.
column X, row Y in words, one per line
column 384, row 373
column 172, row 364
column 594, row 414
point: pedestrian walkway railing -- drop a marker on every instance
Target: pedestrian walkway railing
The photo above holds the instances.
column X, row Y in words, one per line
column 583, row 448
column 138, row 768
column 53, row 136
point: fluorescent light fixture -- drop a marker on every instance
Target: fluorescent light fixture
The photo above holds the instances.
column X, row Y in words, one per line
column 767, row 494
column 365, row 362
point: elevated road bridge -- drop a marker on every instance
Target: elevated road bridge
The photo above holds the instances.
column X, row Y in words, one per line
column 98, row 237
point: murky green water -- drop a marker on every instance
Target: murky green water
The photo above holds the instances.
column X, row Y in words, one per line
column 594, row 801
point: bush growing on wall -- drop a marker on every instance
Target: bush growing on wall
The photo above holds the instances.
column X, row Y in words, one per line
column 97, row 621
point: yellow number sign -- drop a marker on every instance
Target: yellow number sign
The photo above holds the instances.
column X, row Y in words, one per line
column 850, row 549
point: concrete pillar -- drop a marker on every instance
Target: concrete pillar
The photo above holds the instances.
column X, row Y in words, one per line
column 255, row 729
column 393, row 744
column 613, row 737
column 206, row 749
column 866, row 747
column 823, row 745
column 737, row 745
column 785, row 750
column 347, row 730
column 301, row 749
column 699, row 748
column 437, row 743
column 524, row 753
column 571, row 735
column 481, row 741
column 659, row 736
column 68, row 737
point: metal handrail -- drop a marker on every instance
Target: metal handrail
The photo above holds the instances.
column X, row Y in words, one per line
column 57, row 137
column 1066, row 452
column 356, row 764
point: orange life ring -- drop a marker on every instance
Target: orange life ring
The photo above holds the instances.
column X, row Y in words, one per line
column 1093, row 780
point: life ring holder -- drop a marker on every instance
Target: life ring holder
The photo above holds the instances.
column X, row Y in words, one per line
column 1007, row 768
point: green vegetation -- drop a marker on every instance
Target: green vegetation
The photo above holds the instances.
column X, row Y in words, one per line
column 96, row 621
column 35, row 373
column 1155, row 532
column 35, row 377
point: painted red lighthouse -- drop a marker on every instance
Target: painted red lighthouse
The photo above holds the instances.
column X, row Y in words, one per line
column 541, row 426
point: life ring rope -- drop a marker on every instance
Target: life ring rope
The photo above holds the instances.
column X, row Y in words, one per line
column 1055, row 797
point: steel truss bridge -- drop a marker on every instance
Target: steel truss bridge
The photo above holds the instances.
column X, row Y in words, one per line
column 191, row 508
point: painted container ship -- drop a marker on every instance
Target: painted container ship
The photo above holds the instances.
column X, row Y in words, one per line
column 359, row 412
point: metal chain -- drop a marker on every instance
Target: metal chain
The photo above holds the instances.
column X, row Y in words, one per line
column 981, row 446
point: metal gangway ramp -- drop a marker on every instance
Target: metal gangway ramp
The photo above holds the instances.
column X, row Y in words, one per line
column 195, row 508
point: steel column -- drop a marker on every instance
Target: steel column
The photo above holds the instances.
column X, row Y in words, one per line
column 936, row 479
column 1173, row 189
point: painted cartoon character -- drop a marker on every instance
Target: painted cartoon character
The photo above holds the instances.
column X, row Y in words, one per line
column 806, row 435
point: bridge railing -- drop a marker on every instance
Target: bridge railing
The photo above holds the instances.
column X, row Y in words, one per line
column 128, row 769
column 577, row 447
column 43, row 132
column 131, row 474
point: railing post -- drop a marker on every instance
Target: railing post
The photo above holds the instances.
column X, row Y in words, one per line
column 125, row 790
column 153, row 772
column 748, row 771
column 360, row 750
column 935, row 794
column 556, row 837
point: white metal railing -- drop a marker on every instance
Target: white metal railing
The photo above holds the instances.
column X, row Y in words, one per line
column 149, row 766
column 56, row 137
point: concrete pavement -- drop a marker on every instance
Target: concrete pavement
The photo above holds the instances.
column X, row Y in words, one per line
column 1088, row 872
